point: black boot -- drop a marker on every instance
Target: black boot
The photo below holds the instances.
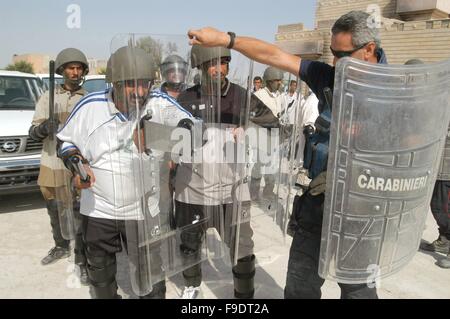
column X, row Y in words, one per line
column 102, row 276
column 158, row 291
column 193, row 276
column 244, row 274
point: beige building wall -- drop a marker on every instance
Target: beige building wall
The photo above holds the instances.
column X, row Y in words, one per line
column 39, row 61
column 427, row 39
column 95, row 66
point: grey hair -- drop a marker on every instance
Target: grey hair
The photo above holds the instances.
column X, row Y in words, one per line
column 358, row 24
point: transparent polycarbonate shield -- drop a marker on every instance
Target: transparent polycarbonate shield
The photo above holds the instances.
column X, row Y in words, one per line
column 68, row 205
column 160, row 242
column 66, row 196
column 207, row 172
column 388, row 129
column 267, row 147
column 444, row 169
column 290, row 137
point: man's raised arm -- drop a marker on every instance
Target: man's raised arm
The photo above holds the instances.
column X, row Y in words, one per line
column 254, row 49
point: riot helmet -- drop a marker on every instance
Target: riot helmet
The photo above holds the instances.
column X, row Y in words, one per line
column 130, row 63
column 132, row 72
column 71, row 55
column 203, row 58
column 201, row 55
column 174, row 70
column 272, row 78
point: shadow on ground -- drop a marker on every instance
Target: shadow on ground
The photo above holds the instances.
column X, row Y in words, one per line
column 21, row 202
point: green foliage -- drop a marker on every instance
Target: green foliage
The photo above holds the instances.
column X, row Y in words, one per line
column 21, row 66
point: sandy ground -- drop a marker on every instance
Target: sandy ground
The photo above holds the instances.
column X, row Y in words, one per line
column 26, row 238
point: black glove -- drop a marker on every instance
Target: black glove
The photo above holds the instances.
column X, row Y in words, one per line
column 41, row 131
column 49, row 126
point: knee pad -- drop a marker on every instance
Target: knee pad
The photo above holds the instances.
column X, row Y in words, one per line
column 191, row 241
column 102, row 275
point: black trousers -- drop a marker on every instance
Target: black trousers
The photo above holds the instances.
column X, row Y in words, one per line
column 219, row 217
column 440, row 207
column 103, row 239
column 52, row 210
column 55, row 207
column 303, row 280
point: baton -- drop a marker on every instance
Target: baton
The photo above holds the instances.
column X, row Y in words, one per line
column 51, row 95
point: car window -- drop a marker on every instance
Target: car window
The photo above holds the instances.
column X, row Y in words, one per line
column 18, row 92
column 94, row 85
column 46, row 81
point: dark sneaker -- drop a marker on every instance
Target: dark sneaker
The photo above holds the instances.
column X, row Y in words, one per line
column 84, row 279
column 440, row 245
column 55, row 254
column 445, row 262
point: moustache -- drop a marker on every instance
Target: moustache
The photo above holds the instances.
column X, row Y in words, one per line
column 135, row 97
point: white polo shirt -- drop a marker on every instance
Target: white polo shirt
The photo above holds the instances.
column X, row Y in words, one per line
column 165, row 109
column 104, row 136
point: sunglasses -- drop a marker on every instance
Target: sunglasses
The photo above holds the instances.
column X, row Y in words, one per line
column 342, row 54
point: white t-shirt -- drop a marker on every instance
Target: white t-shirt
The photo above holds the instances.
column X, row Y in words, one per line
column 290, row 106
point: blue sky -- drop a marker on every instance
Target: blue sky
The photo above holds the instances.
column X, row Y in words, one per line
column 40, row 26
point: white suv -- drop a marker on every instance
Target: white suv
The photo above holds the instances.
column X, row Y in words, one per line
column 95, row 83
column 45, row 80
column 19, row 154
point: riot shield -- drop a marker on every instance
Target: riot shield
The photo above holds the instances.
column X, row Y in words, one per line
column 444, row 168
column 388, row 128
column 291, row 134
column 151, row 157
column 207, row 172
column 265, row 172
column 67, row 198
